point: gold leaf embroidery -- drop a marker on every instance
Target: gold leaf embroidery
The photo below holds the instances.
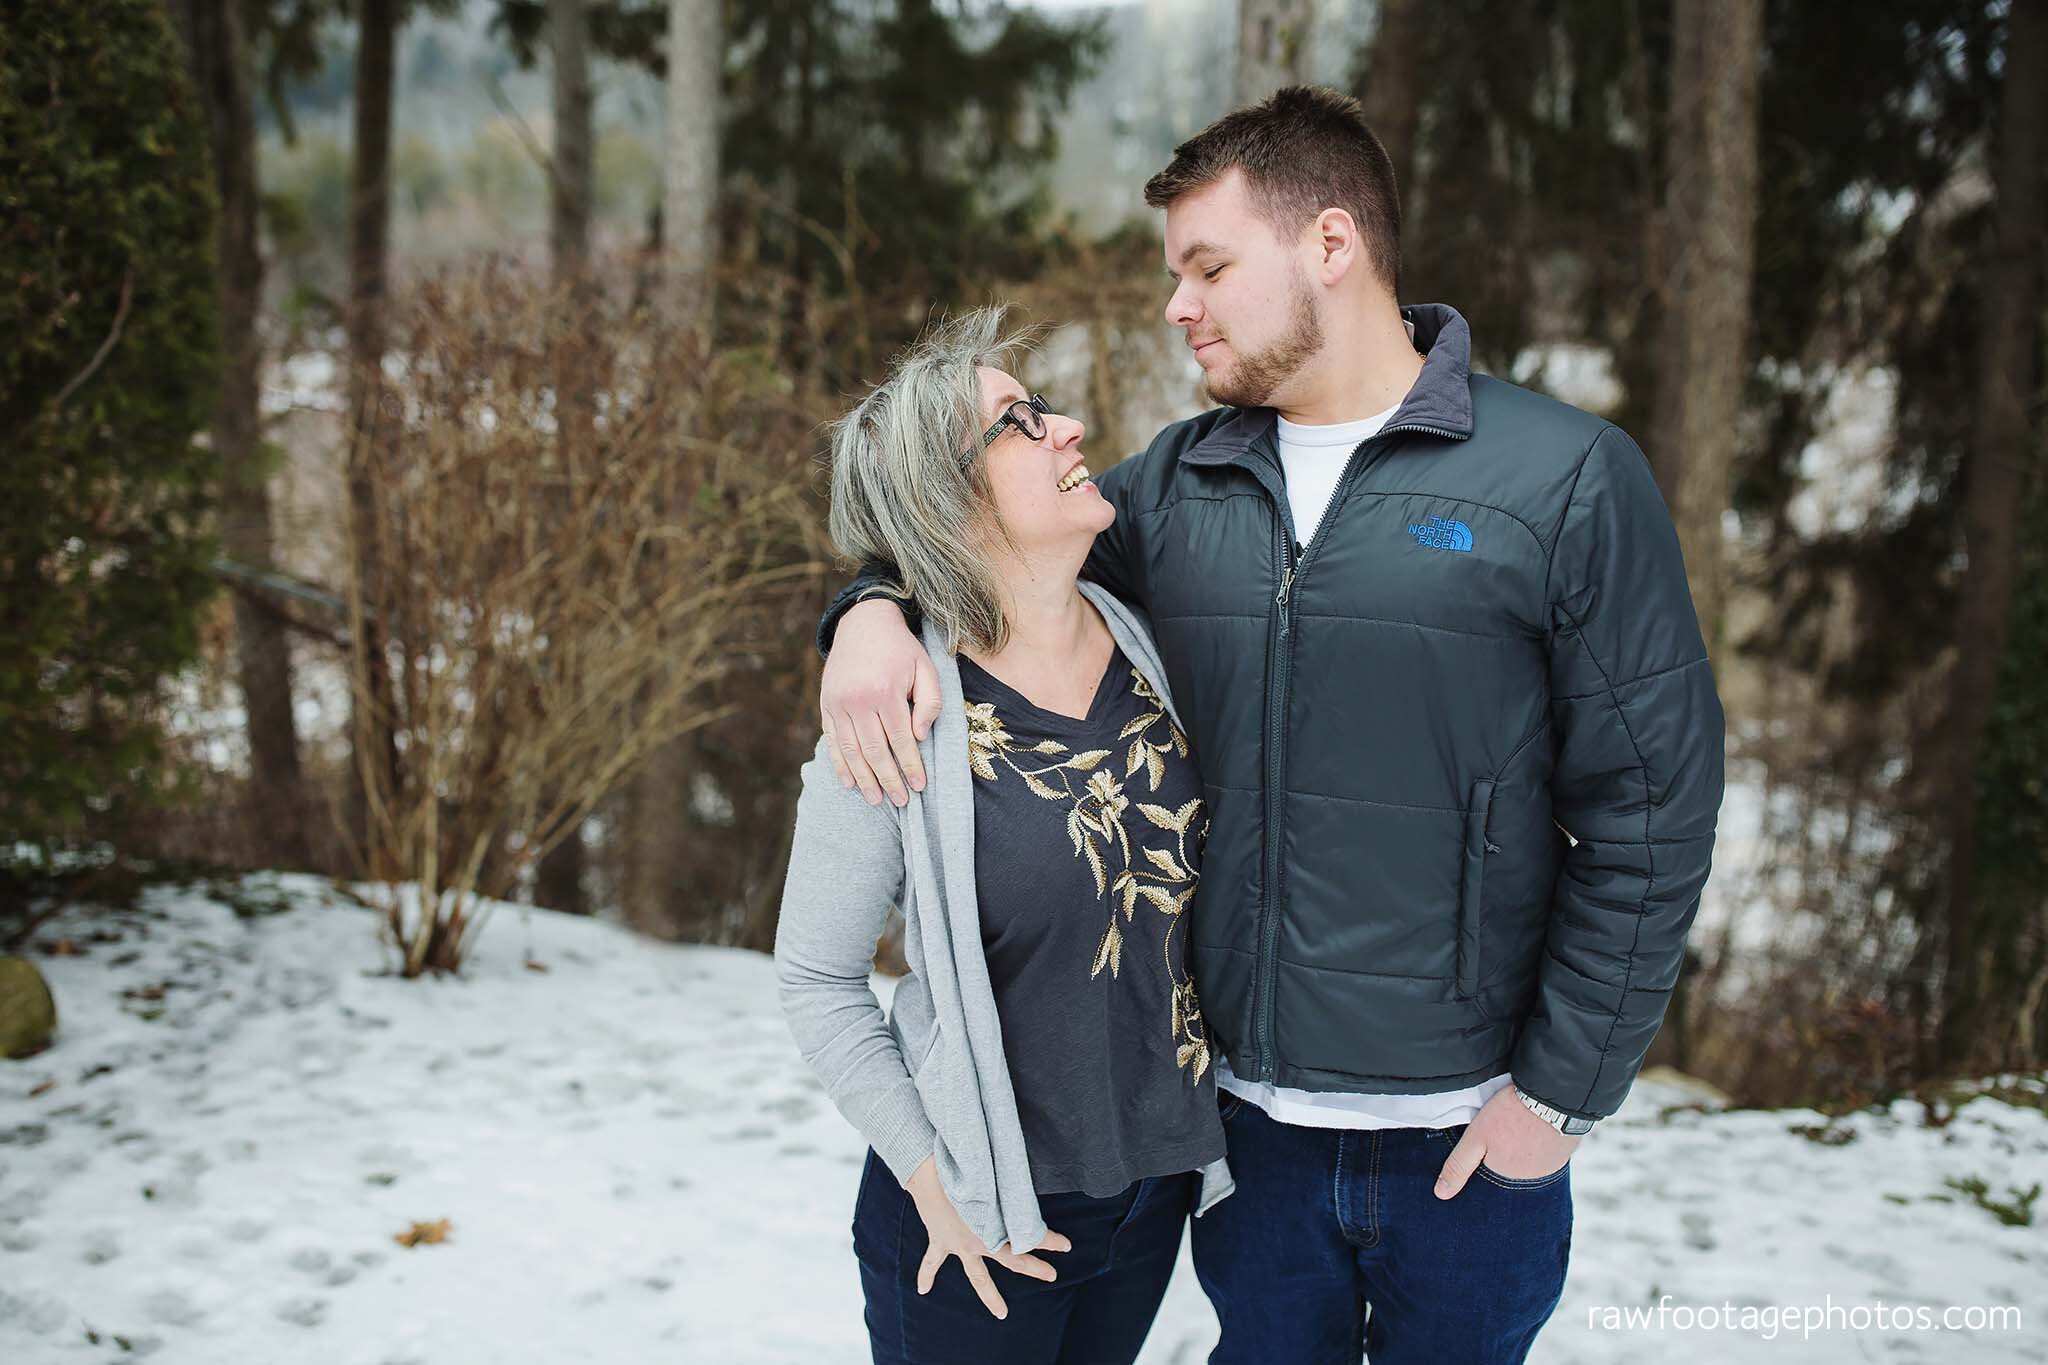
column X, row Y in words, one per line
column 1158, row 815
column 1095, row 866
column 1031, row 781
column 1165, row 880
column 1163, row 860
column 1110, row 951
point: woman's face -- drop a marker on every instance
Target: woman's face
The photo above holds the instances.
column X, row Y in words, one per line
column 1042, row 492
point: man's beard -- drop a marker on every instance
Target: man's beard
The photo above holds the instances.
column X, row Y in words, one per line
column 1250, row 383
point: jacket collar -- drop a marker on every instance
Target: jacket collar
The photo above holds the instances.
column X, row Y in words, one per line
column 1440, row 398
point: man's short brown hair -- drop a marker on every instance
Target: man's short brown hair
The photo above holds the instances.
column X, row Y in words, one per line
column 1305, row 149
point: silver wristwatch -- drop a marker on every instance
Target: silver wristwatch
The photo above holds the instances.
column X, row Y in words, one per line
column 1571, row 1125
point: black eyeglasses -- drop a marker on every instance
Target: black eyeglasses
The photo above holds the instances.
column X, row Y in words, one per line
column 1026, row 414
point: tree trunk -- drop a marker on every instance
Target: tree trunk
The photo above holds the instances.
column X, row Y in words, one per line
column 1995, row 478
column 569, row 180
column 218, row 51
column 369, row 226
column 690, row 173
column 1272, row 46
column 657, row 872
column 1392, row 88
column 1709, row 235
column 558, row 882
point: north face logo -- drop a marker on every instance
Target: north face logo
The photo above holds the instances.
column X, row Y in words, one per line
column 1441, row 533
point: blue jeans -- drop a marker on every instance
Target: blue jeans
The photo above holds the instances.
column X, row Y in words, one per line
column 1096, row 1313
column 1325, row 1221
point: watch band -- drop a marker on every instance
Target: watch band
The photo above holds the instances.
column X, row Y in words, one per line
column 1569, row 1124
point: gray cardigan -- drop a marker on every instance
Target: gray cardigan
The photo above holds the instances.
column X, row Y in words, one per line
column 849, row 863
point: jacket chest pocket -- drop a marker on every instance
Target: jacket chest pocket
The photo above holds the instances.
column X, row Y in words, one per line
column 1471, row 886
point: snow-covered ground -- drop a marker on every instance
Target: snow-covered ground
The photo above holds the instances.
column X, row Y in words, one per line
column 617, row 1155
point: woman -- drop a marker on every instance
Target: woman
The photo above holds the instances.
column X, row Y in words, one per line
column 1039, row 1103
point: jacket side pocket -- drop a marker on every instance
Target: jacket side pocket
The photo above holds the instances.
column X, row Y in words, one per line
column 925, row 1054
column 1471, row 884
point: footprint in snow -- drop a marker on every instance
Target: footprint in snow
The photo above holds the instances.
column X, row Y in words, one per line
column 172, row 1308
column 247, row 1230
column 309, row 1260
column 38, row 1312
column 790, row 1108
column 98, row 1246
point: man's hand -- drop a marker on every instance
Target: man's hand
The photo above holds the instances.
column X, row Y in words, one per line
column 1512, row 1141
column 875, row 673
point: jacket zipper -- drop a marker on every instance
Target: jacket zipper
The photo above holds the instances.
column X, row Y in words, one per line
column 1279, row 668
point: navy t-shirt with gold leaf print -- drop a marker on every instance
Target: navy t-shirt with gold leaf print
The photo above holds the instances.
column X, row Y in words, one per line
column 1088, row 838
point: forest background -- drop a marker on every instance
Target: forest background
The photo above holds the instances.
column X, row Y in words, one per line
column 410, row 419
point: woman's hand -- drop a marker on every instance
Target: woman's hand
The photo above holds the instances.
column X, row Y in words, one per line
column 949, row 1235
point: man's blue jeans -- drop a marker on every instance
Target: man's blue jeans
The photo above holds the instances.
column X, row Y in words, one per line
column 1325, row 1221
column 1096, row 1313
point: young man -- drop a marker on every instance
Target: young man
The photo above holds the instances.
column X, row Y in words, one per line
column 1459, row 740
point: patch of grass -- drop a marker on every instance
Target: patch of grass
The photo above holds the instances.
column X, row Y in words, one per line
column 1942, row 1100
column 92, row 1334
column 343, row 891
column 1826, row 1134
column 250, row 897
column 1667, row 1112
column 2018, row 1212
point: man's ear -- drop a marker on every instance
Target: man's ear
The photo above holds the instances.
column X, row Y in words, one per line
column 1338, row 239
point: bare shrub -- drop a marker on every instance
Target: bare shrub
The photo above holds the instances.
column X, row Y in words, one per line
column 556, row 597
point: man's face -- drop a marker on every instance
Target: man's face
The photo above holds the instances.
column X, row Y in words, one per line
column 1243, row 297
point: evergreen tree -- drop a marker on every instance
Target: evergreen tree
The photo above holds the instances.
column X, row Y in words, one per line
column 906, row 135
column 108, row 367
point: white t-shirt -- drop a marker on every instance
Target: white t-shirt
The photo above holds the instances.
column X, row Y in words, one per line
column 1314, row 458
column 1319, row 1109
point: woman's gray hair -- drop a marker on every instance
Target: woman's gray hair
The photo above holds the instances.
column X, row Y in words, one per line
column 898, row 491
